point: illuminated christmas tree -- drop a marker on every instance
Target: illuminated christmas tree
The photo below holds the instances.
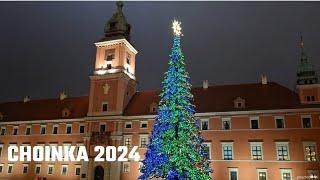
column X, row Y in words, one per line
column 176, row 149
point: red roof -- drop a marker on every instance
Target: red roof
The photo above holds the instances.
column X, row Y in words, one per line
column 221, row 98
column 213, row 99
column 44, row 109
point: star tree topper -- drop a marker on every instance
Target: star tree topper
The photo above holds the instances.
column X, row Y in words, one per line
column 176, row 26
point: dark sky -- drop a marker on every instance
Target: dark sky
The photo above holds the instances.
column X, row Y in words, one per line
column 46, row 47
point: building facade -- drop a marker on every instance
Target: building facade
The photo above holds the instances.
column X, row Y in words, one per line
column 254, row 131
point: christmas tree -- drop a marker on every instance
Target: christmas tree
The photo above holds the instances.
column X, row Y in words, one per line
column 176, row 149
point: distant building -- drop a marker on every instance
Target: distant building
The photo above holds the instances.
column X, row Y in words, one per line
column 257, row 131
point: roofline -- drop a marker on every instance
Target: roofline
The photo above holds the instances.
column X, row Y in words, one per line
column 122, row 117
column 117, row 41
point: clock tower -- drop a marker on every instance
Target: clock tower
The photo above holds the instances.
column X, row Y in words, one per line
column 113, row 82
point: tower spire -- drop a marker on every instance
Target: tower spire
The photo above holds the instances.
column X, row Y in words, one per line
column 117, row 26
column 306, row 73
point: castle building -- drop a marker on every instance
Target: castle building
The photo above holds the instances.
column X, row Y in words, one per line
column 254, row 131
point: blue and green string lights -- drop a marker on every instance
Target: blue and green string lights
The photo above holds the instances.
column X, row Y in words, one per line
column 176, row 150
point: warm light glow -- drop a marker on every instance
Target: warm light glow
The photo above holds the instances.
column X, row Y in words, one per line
column 176, row 26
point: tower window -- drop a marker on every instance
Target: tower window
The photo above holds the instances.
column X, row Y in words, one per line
column 128, row 58
column 104, row 107
column 109, row 54
column 109, row 66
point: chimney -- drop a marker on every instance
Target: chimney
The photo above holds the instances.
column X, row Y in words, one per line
column 264, row 79
column 26, row 99
column 205, row 84
column 63, row 95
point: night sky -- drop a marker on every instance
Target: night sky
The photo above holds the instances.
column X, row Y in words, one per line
column 47, row 47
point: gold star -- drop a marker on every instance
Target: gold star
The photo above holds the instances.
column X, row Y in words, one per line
column 176, row 26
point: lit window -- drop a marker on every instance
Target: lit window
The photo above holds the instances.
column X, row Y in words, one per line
column 15, row 130
column 3, row 131
column 28, row 130
column 81, row 129
column 50, row 169
column 313, row 174
column 69, row 128
column 262, row 174
column 126, row 167
column 227, row 151
column 226, row 123
column 143, row 124
column 254, row 122
column 10, row 168
column 282, row 151
column 127, row 141
column 310, row 151
column 256, row 150
column 104, row 107
column 55, row 129
column 279, row 122
column 143, row 141
column 43, row 129
column 25, row 169
column 306, row 122
column 37, row 169
column 64, row 170
column 102, row 127
column 128, row 125
column 286, row 174
column 233, row 173
column 204, row 124
column 78, row 170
